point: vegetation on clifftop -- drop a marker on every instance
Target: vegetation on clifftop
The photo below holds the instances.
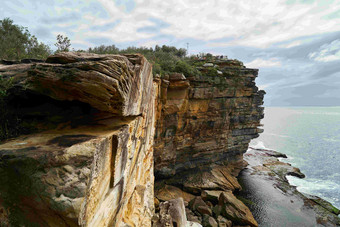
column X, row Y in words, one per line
column 17, row 43
column 165, row 59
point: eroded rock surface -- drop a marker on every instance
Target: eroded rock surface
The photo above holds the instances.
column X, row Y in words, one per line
column 206, row 119
column 89, row 167
column 92, row 127
column 273, row 200
column 204, row 126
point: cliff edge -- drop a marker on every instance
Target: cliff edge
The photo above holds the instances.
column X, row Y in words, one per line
column 95, row 140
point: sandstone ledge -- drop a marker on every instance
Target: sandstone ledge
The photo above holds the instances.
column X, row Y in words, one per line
column 98, row 124
column 89, row 160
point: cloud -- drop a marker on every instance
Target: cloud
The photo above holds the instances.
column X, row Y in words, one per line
column 262, row 63
column 291, row 44
column 250, row 23
column 327, row 52
column 247, row 23
column 295, row 43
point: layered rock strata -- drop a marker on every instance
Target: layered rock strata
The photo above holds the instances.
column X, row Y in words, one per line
column 204, row 126
column 94, row 126
column 90, row 160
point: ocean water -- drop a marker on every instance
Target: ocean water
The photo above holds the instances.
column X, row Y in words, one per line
column 310, row 137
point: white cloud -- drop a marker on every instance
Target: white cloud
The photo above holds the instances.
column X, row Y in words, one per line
column 327, row 52
column 250, row 23
column 262, row 63
column 219, row 23
column 291, row 44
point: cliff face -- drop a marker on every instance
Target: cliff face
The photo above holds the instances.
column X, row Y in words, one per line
column 206, row 119
column 99, row 123
column 90, row 162
column 204, row 126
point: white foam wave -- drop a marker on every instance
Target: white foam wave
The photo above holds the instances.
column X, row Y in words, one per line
column 259, row 145
column 314, row 186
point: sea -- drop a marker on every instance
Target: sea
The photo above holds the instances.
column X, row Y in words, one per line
column 310, row 137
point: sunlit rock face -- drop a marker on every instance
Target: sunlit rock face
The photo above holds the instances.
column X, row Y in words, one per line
column 89, row 160
column 204, row 125
column 88, row 130
column 206, row 120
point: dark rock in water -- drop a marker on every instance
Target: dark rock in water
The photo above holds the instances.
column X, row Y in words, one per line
column 271, row 152
column 283, row 169
column 274, row 201
column 327, row 205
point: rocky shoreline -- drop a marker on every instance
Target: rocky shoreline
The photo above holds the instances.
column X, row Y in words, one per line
column 273, row 201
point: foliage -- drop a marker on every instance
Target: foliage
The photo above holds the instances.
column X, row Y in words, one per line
column 63, row 44
column 165, row 59
column 36, row 49
column 17, row 43
column 5, row 85
column 211, row 71
column 102, row 49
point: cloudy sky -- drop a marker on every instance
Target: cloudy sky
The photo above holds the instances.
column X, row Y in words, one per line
column 294, row 43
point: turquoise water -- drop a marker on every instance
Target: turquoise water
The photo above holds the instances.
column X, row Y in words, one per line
column 310, row 137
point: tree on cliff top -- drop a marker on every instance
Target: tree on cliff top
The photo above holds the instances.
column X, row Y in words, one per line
column 165, row 59
column 17, row 43
column 63, row 44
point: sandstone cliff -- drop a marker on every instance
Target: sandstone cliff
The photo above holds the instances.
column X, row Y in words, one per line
column 90, row 160
column 96, row 125
column 204, row 126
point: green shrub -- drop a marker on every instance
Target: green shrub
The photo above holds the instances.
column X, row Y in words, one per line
column 17, row 43
column 5, row 85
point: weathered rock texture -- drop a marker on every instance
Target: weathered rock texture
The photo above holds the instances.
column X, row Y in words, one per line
column 93, row 164
column 204, row 126
column 206, row 120
column 265, row 183
column 95, row 124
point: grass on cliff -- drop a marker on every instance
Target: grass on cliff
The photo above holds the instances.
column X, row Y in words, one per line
column 165, row 59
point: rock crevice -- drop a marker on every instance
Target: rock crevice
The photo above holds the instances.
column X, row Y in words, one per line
column 102, row 135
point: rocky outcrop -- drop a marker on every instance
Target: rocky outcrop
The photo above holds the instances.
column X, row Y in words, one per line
column 206, row 119
column 90, row 160
column 204, row 126
column 265, row 184
column 90, row 129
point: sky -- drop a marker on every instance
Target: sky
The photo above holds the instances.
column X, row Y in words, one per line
column 294, row 43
